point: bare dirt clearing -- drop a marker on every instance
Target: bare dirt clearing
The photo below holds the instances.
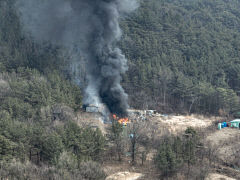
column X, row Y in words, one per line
column 215, row 176
column 124, row 171
column 178, row 124
column 124, row 176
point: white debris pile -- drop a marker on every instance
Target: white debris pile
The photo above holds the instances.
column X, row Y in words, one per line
column 124, row 176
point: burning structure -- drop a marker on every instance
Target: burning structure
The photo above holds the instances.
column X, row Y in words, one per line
column 90, row 30
column 123, row 121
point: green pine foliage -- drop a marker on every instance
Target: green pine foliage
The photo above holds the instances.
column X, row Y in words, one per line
column 167, row 160
column 176, row 153
column 29, row 130
column 181, row 53
column 86, row 144
column 6, row 148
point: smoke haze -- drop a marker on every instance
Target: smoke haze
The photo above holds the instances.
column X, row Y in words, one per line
column 89, row 29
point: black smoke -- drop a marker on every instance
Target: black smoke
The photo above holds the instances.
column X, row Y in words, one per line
column 89, row 29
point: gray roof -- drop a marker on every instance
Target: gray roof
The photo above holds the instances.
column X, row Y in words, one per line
column 235, row 120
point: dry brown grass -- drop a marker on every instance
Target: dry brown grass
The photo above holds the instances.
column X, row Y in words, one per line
column 215, row 176
column 178, row 124
column 85, row 119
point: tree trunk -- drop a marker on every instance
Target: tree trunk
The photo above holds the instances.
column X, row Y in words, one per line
column 133, row 149
column 190, row 108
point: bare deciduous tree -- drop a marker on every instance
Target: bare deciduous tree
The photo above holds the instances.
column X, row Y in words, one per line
column 141, row 135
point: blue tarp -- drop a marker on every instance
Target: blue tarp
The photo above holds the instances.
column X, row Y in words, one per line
column 223, row 125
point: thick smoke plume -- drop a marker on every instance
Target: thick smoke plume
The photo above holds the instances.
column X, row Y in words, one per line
column 90, row 29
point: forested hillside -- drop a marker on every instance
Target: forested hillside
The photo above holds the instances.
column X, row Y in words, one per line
column 184, row 55
column 38, row 101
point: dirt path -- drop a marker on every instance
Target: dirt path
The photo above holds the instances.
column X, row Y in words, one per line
column 215, row 176
column 124, row 176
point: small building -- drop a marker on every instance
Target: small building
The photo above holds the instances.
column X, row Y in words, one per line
column 235, row 123
column 92, row 108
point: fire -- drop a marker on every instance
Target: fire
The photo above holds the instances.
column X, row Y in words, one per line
column 123, row 121
column 115, row 116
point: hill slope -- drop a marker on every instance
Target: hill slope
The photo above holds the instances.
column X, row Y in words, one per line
column 184, row 55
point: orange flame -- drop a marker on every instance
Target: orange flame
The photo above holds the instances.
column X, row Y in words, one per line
column 115, row 116
column 123, row 121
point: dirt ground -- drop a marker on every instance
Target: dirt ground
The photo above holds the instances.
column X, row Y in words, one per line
column 178, row 124
column 124, row 176
column 215, row 176
column 123, row 170
column 169, row 123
